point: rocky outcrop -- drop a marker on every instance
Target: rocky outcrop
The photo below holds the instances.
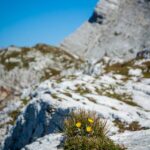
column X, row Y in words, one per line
column 118, row 28
column 39, row 118
column 23, row 68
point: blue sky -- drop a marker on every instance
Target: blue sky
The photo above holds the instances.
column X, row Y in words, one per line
column 27, row 22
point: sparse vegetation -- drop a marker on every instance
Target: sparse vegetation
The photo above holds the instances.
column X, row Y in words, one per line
column 92, row 100
column 20, row 58
column 45, row 49
column 54, row 95
column 25, row 101
column 67, row 94
column 120, row 68
column 122, row 97
column 110, row 92
column 123, row 68
column 121, row 125
column 85, row 131
column 133, row 126
column 14, row 114
column 146, row 69
column 82, row 89
column 49, row 72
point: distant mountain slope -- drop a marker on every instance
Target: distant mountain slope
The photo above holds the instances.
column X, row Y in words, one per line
column 119, row 28
column 27, row 66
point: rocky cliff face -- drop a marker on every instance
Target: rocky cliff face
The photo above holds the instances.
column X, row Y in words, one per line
column 118, row 28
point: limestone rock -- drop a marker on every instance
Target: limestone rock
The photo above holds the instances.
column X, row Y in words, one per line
column 139, row 140
column 38, row 119
column 118, row 28
column 48, row 142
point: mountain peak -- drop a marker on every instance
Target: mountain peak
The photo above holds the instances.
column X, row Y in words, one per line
column 119, row 28
column 103, row 9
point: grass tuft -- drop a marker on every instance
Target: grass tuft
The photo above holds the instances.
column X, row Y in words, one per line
column 14, row 115
column 133, row 126
column 86, row 131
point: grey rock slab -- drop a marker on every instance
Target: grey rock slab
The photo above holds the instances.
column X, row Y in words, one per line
column 38, row 119
column 48, row 142
column 138, row 140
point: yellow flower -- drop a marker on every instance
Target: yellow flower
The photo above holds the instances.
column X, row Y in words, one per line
column 90, row 120
column 78, row 124
column 88, row 129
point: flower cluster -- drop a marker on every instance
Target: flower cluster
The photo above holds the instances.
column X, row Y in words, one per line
column 88, row 126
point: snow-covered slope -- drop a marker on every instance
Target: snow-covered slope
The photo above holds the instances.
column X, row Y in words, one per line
column 117, row 96
column 119, row 28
